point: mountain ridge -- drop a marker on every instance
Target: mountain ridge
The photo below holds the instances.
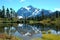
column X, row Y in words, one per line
column 31, row 11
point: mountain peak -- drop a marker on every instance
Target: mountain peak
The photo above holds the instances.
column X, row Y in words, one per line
column 31, row 11
column 28, row 8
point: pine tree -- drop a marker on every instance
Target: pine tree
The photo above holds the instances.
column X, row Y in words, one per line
column 11, row 12
column 0, row 13
column 7, row 13
column 3, row 12
column 42, row 15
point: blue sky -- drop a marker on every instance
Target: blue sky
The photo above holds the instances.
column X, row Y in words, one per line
column 41, row 4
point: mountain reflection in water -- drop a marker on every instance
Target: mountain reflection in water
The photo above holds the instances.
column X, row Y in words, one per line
column 28, row 31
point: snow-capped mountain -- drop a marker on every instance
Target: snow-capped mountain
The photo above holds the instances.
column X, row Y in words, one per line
column 31, row 11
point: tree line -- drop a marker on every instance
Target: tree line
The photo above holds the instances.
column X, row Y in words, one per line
column 52, row 16
column 7, row 13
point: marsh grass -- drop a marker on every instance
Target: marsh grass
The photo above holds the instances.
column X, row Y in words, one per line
column 50, row 37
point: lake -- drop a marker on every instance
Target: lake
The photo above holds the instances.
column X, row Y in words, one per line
column 27, row 31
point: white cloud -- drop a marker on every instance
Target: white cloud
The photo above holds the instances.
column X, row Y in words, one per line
column 54, row 9
column 8, row 0
column 22, row 0
column 58, row 9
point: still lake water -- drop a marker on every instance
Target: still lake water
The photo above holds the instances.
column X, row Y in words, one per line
column 26, row 31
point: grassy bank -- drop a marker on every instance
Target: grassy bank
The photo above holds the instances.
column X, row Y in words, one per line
column 48, row 37
column 7, row 37
column 8, row 24
column 44, row 37
column 46, row 21
column 8, row 20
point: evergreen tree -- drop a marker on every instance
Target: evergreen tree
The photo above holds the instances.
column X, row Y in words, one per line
column 7, row 13
column 42, row 14
column 3, row 11
column 56, row 13
column 11, row 12
column 0, row 13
